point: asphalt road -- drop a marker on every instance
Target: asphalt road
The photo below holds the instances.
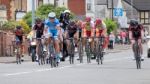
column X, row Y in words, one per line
column 118, row 68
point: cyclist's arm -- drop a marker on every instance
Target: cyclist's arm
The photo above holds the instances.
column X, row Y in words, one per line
column 130, row 33
column 142, row 32
column 104, row 32
column 57, row 24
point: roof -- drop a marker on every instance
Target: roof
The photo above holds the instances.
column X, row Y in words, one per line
column 140, row 4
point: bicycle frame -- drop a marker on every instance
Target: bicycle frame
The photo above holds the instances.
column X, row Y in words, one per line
column 71, row 50
column 88, row 49
column 53, row 60
column 100, row 50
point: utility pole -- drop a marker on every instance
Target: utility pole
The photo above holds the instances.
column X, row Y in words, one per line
column 33, row 12
column 112, row 4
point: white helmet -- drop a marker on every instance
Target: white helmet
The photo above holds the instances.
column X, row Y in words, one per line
column 51, row 15
column 67, row 11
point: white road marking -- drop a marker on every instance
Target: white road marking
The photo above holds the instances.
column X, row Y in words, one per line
column 50, row 69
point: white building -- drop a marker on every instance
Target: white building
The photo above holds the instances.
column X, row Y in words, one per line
column 59, row 3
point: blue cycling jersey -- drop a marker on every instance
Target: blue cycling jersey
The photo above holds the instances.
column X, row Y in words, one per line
column 51, row 25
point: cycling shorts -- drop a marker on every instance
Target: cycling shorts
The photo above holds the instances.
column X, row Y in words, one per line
column 19, row 39
column 53, row 34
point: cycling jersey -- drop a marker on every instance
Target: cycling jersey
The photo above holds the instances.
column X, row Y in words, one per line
column 88, row 29
column 52, row 30
column 19, row 35
column 99, row 29
column 136, row 32
column 72, row 29
column 39, row 30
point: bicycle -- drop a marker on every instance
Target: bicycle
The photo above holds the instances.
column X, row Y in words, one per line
column 88, row 49
column 80, row 47
column 71, row 50
column 99, row 50
column 18, row 53
column 80, row 50
column 41, row 56
column 53, row 59
column 137, row 54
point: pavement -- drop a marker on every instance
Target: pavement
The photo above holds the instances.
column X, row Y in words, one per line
column 117, row 48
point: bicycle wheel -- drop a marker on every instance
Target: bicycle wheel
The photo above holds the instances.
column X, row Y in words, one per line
column 80, row 52
column 137, row 55
column 101, row 58
column 18, row 57
column 52, row 62
column 98, row 59
column 88, row 52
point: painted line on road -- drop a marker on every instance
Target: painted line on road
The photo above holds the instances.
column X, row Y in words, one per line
column 59, row 68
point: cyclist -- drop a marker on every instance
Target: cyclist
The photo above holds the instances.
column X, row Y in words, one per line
column 88, row 30
column 19, row 37
column 65, row 19
column 71, row 32
column 38, row 28
column 136, row 32
column 52, row 26
column 101, row 30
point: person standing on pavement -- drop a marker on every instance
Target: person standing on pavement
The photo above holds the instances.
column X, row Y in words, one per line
column 111, row 40
column 123, row 36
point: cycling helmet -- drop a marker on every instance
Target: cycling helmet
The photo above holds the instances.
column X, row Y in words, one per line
column 67, row 11
column 51, row 15
column 88, row 19
column 133, row 22
column 18, row 27
column 38, row 20
column 98, row 21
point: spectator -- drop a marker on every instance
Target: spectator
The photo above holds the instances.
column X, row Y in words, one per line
column 111, row 40
column 123, row 36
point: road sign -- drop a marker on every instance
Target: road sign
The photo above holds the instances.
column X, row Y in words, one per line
column 118, row 12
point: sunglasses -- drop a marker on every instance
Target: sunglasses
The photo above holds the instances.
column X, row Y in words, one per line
column 51, row 17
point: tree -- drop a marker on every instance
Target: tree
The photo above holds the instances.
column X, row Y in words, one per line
column 9, row 25
column 111, row 25
column 28, row 18
column 43, row 11
column 25, row 27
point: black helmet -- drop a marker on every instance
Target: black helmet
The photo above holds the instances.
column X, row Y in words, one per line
column 38, row 20
column 133, row 22
column 18, row 27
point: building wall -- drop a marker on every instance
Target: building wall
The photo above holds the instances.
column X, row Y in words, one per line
column 132, row 13
column 7, row 4
column 77, row 6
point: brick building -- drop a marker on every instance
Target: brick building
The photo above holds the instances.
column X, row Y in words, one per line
column 6, row 3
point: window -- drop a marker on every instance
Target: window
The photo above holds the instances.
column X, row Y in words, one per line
column 101, row 2
column 40, row 2
column 89, row 8
column 144, row 17
column 89, row 5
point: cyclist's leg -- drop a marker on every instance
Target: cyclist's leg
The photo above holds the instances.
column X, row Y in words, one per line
column 141, row 48
column 132, row 45
column 68, row 41
column 106, row 42
column 20, row 44
column 37, row 47
column 75, row 36
column 56, row 44
column 60, row 36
